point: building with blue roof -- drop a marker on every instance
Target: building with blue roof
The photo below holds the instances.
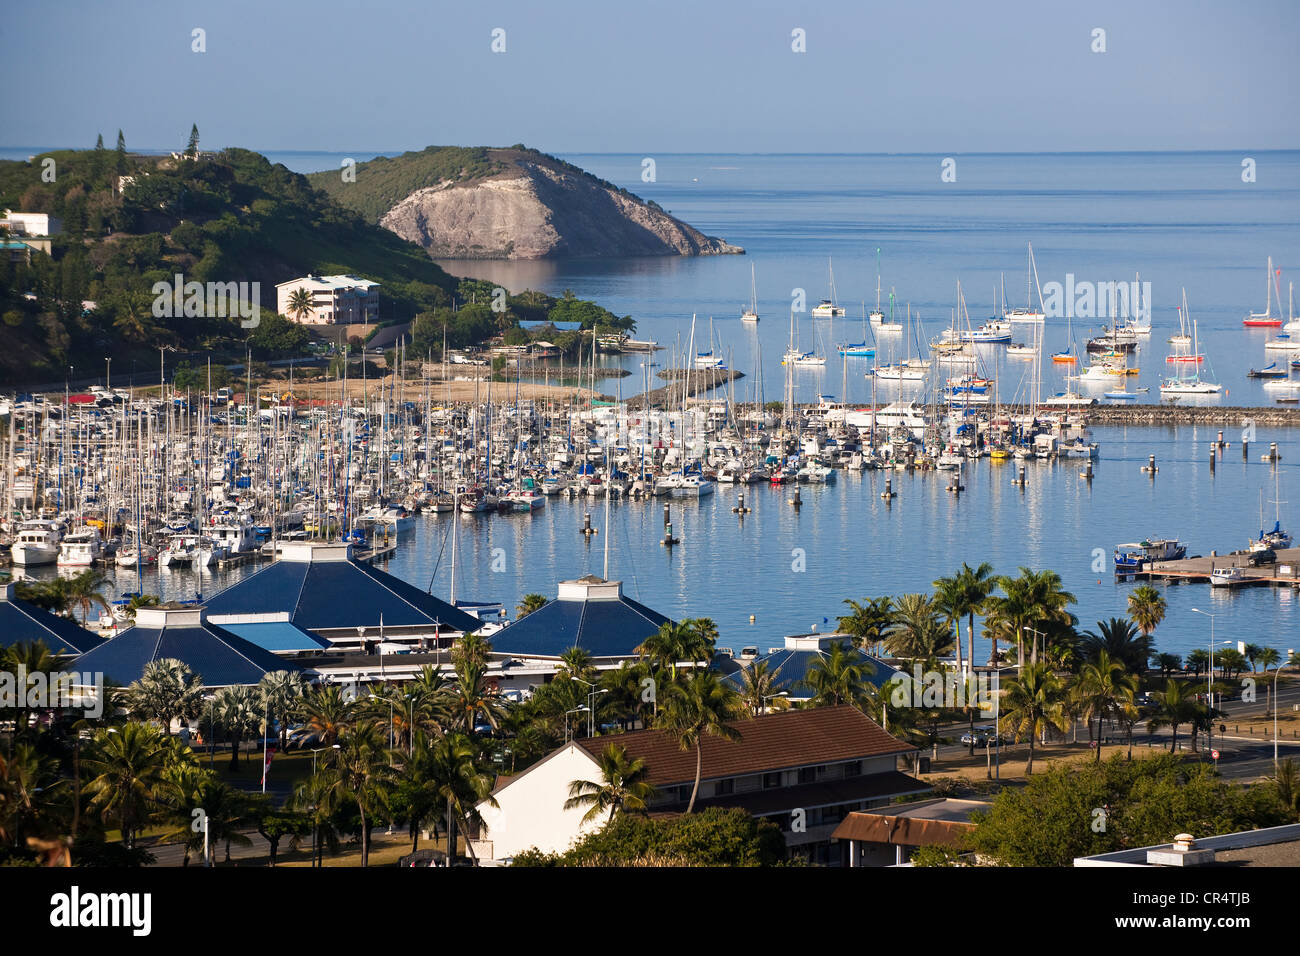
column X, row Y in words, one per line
column 322, row 589
column 21, row 622
column 182, row 632
column 589, row 613
column 789, row 664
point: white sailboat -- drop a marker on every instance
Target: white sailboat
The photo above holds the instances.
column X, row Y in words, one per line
column 750, row 315
column 1179, row 385
column 1266, row 319
column 1027, row 314
column 827, row 309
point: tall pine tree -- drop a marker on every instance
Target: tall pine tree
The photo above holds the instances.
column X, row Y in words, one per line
column 98, row 167
column 192, row 150
column 121, row 154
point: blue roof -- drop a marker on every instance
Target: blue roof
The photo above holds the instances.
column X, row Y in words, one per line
column 21, row 622
column 532, row 324
column 278, row 636
column 336, row 594
column 603, row 628
column 220, row 658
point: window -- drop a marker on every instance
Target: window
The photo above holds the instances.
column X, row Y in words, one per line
column 724, row 788
column 771, row 780
column 853, row 768
column 807, row 774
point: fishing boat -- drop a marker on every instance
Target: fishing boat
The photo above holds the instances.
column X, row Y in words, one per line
column 827, row 309
column 750, row 314
column 1132, row 557
column 1266, row 319
column 1227, row 577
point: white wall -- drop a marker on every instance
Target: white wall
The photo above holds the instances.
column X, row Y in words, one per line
column 531, row 808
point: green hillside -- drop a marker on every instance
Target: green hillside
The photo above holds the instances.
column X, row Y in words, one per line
column 224, row 217
column 384, row 181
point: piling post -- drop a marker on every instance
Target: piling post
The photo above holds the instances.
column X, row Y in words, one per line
column 666, row 520
column 1245, row 450
column 1213, row 457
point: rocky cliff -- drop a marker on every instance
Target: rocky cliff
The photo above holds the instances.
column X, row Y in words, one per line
column 522, row 204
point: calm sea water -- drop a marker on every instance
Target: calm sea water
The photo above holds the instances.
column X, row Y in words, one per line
column 1180, row 220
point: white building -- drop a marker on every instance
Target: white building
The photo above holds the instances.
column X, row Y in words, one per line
column 31, row 223
column 336, row 300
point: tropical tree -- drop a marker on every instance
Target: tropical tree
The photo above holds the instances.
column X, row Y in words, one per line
column 1031, row 602
column 576, row 662
column 1121, row 640
column 300, row 304
column 1174, row 707
column 1168, row 663
column 1146, row 606
column 239, row 712
column 360, row 775
column 949, row 603
column 1197, row 661
column 166, row 691
column 126, row 765
column 529, row 604
column 27, row 778
column 867, row 623
column 462, row 784
column 83, row 592
column 414, row 796
column 1104, row 686
column 325, row 714
column 281, row 693
column 622, row 786
column 1251, row 653
column 1268, row 657
column 699, row 705
column 917, row 631
column 758, row 689
column 1032, row 702
column 839, row 676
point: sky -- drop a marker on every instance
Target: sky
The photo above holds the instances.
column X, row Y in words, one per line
column 665, row 75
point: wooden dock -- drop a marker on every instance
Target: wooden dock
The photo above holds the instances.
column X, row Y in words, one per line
column 1279, row 573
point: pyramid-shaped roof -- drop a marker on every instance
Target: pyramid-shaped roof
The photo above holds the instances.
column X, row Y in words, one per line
column 21, row 622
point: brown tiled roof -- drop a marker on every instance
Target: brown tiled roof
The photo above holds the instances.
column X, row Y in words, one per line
column 901, row 831
column 828, row 794
column 795, row 738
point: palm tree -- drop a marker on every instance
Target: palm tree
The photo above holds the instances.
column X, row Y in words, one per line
column 1174, row 706
column 300, row 304
column 950, row 604
column 239, row 712
column 1146, row 607
column 414, row 795
column 166, row 691
column 462, row 784
column 1121, row 640
column 1104, row 685
column 1251, row 653
column 26, row 779
column 576, row 662
column 1168, row 663
column 667, row 646
column 917, row 631
column 699, row 705
column 325, row 714
column 473, row 699
column 31, row 657
column 281, row 693
column 83, row 591
column 473, row 648
column 1033, row 702
column 1197, row 661
column 529, row 604
column 1268, row 657
column 360, row 773
column 126, row 764
column 758, row 689
column 1032, row 601
column 622, row 786
column 868, row 622
column 839, row 676
column 977, row 584
column 1286, row 778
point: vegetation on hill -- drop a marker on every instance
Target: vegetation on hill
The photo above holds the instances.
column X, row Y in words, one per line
column 381, row 183
column 230, row 216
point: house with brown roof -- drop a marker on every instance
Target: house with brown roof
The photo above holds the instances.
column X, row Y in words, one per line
column 805, row 770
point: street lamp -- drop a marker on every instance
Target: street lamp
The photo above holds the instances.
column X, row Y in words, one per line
column 576, row 710
column 1275, row 673
column 315, row 819
column 1209, row 677
column 997, row 719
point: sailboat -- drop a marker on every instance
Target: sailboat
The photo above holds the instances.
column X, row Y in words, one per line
column 858, row 349
column 828, row 309
column 878, row 317
column 1181, row 341
column 1027, row 314
column 1265, row 319
column 910, row 370
column 1292, row 323
column 793, row 356
column 1178, row 386
column 1277, row 538
column 750, row 315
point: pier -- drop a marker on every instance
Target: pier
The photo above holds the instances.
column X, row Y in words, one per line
column 697, row 382
column 1279, row 572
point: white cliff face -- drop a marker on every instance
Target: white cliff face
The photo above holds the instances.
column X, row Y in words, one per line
column 534, row 211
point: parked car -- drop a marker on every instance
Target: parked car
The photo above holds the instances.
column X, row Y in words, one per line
column 981, row 737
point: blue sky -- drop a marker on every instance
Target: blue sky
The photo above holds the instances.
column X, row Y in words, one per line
column 662, row 75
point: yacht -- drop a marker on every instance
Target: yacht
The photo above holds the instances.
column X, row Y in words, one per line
column 234, row 536
column 37, row 543
column 1131, row 557
column 1227, row 577
column 1266, row 319
column 80, row 549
